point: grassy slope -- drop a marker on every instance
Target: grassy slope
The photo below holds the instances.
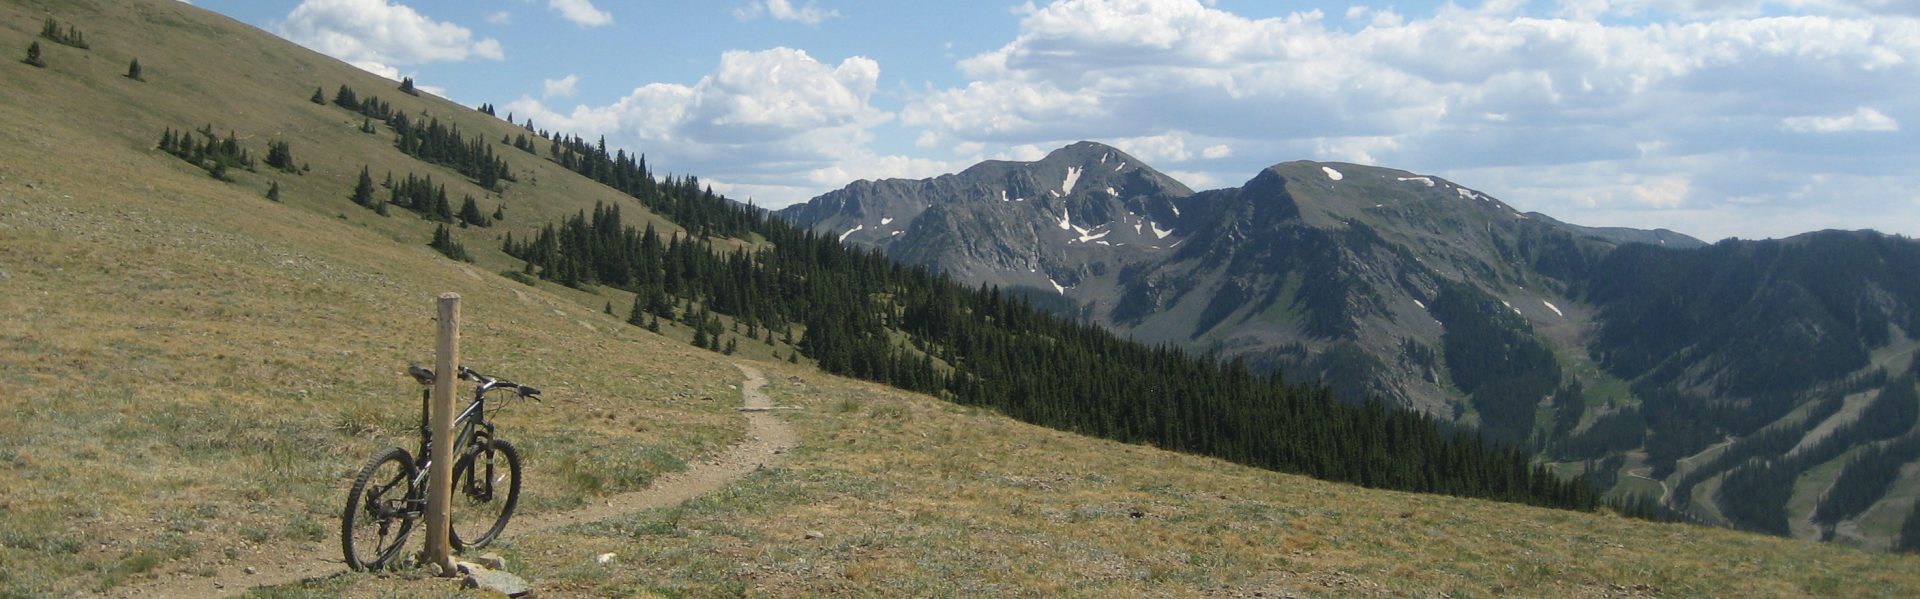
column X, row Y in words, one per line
column 180, row 350
column 915, row 497
column 196, row 371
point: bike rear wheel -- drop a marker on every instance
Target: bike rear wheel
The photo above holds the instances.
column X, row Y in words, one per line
column 381, row 510
column 486, row 487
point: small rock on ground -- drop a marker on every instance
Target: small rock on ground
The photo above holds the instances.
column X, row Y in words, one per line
column 483, row 578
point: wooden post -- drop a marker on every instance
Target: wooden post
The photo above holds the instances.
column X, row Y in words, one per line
column 440, row 419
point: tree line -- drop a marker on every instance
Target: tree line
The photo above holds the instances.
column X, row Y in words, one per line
column 865, row 316
column 428, row 140
column 1755, row 494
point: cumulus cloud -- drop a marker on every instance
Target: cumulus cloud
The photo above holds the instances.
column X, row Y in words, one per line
column 1634, row 85
column 783, row 10
column 1861, row 119
column 559, row 88
column 581, row 12
column 377, row 35
column 777, row 122
column 500, row 18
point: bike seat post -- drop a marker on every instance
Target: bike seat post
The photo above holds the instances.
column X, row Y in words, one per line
column 426, row 400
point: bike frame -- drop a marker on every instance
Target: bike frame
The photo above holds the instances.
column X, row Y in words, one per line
column 471, row 422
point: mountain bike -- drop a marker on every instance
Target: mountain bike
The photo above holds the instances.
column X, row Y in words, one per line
column 390, row 495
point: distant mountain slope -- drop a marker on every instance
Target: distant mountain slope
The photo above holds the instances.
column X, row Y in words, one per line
column 1637, row 349
column 1011, row 224
column 1225, row 270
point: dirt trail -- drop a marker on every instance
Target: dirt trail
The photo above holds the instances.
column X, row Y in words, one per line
column 767, row 438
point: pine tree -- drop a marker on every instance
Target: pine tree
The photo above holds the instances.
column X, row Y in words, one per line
column 444, row 242
column 700, row 337
column 609, row 309
column 733, row 345
column 280, row 156
column 33, row 55
column 500, row 213
column 654, row 324
column 273, row 191
column 133, row 70
column 319, row 97
column 363, row 191
column 793, row 357
column 470, row 214
column 345, row 98
column 639, row 312
column 406, row 87
column 441, row 209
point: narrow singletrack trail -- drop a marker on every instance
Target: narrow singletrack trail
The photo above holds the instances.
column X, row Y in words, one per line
column 767, row 437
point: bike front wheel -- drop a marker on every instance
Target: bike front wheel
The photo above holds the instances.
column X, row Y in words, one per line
column 381, row 509
column 486, row 487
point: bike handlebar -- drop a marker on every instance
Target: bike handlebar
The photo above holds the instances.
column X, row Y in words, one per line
column 487, row 383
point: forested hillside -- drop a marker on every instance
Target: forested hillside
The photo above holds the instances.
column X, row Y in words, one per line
column 1647, row 362
column 859, row 314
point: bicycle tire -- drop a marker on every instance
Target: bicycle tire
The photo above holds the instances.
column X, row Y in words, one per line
column 477, row 500
column 369, row 514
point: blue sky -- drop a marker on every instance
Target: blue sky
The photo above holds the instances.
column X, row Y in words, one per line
column 1715, row 118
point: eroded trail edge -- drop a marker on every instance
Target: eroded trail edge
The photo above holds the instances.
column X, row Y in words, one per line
column 767, row 438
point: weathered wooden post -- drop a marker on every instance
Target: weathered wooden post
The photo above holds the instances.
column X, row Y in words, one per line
column 440, row 473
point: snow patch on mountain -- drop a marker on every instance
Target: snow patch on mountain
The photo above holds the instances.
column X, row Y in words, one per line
column 1428, row 181
column 1332, row 174
column 843, row 236
column 1555, row 309
column 1086, row 237
column 1117, row 168
column 1073, row 176
column 886, row 221
column 1159, row 233
column 1066, row 219
column 1056, row 286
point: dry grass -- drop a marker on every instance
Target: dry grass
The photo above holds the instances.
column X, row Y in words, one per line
column 914, row 497
column 194, row 371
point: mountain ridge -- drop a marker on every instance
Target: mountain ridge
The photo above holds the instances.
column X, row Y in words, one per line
column 1439, row 297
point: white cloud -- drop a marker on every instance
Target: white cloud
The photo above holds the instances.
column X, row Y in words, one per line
column 581, row 12
column 1170, row 148
column 377, row 35
column 1861, row 119
column 777, row 122
column 1586, row 84
column 500, row 18
column 783, row 10
column 562, row 87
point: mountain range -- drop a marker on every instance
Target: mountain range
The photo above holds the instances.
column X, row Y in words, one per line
column 1629, row 355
